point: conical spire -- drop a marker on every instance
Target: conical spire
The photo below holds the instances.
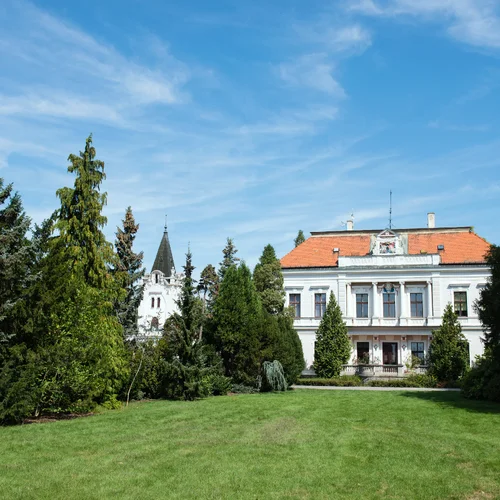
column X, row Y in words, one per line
column 164, row 261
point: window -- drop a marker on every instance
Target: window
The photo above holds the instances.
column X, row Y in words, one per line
column 460, row 302
column 363, row 352
column 295, row 303
column 319, row 304
column 361, row 305
column 155, row 323
column 417, row 305
column 417, row 349
column 389, row 305
column 158, row 302
column 156, row 278
column 152, row 302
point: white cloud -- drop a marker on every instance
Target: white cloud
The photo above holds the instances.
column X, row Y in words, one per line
column 313, row 71
column 475, row 22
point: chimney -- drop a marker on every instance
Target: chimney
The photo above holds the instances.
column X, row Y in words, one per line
column 431, row 220
column 350, row 225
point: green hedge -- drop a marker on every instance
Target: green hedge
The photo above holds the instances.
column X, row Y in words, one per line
column 427, row 381
column 343, row 381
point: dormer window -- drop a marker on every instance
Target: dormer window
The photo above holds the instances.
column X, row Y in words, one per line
column 157, row 278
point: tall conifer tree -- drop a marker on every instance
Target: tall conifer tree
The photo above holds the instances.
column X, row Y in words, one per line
column 229, row 253
column 269, row 282
column 332, row 348
column 129, row 271
column 300, row 238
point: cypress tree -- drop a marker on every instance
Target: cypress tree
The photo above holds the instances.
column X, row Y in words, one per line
column 237, row 320
column 269, row 282
column 129, row 271
column 332, row 348
column 448, row 356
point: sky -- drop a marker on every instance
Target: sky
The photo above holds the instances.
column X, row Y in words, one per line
column 252, row 120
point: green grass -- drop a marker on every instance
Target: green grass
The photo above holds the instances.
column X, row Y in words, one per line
column 303, row 444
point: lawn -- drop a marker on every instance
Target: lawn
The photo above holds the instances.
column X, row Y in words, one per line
column 302, row 444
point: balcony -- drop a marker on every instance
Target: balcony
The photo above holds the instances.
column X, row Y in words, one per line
column 378, row 370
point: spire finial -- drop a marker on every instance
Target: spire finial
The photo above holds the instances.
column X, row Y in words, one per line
column 165, row 228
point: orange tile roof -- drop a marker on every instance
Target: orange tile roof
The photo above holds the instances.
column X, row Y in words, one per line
column 461, row 246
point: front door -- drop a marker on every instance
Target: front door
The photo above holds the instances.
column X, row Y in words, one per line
column 390, row 353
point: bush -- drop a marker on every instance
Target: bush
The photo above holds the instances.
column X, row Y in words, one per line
column 244, row 389
column 219, row 385
column 427, row 381
column 343, row 381
column 273, row 378
column 483, row 380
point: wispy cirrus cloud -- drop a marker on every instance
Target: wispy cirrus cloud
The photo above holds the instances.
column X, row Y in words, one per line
column 475, row 22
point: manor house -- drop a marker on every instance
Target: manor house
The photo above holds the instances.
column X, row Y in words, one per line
column 392, row 288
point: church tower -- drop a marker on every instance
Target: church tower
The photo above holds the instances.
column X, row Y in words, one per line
column 162, row 287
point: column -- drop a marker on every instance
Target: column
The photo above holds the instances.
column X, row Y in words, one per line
column 375, row 313
column 402, row 300
column 429, row 299
column 348, row 298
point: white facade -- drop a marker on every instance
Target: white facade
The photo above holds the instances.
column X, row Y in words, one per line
column 158, row 302
column 390, row 300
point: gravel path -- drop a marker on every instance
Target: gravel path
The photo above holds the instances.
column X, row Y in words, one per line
column 335, row 388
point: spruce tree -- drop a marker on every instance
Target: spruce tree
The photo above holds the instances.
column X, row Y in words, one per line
column 237, row 319
column 15, row 262
column 269, row 282
column 300, row 238
column 333, row 347
column 229, row 252
column 186, row 373
column 448, row 356
column 129, row 271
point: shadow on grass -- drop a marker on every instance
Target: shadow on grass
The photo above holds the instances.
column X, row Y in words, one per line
column 455, row 400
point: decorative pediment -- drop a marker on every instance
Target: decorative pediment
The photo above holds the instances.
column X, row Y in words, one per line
column 388, row 288
column 387, row 243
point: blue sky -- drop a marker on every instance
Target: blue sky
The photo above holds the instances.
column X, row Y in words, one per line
column 255, row 119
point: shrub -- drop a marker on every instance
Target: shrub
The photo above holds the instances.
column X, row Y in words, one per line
column 219, row 385
column 483, row 380
column 343, row 381
column 273, row 378
column 244, row 389
column 427, row 381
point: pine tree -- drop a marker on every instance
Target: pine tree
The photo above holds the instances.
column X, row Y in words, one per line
column 269, row 282
column 186, row 372
column 129, row 272
column 448, row 357
column 15, row 261
column 300, row 238
column 229, row 252
column 237, row 318
column 332, row 348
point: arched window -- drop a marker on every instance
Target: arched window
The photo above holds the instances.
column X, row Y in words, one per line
column 152, row 302
column 158, row 302
column 157, row 278
column 154, row 323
